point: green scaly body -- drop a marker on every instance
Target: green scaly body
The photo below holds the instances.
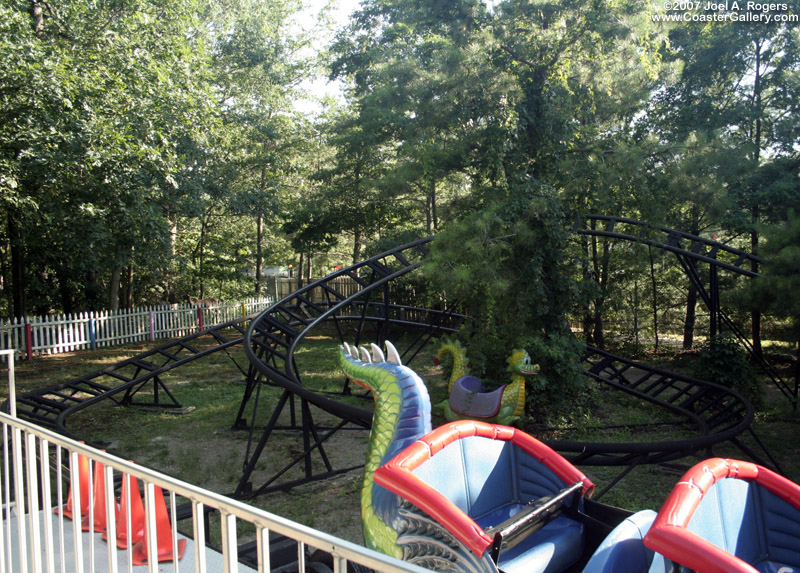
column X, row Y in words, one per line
column 387, row 382
column 460, row 362
column 514, row 394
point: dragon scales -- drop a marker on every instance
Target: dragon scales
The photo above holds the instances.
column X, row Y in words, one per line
column 402, row 415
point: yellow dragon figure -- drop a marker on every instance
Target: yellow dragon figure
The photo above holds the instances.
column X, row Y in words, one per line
column 459, row 356
column 467, row 397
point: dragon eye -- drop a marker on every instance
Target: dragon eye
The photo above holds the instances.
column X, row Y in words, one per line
column 526, row 360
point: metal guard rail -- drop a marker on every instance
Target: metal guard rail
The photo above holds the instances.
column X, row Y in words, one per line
column 30, row 451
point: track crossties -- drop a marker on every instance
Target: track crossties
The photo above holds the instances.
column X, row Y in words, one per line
column 705, row 412
column 710, row 413
column 136, row 381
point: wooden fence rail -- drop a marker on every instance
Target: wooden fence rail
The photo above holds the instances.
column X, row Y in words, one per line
column 55, row 334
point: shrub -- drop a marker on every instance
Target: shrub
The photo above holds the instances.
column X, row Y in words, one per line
column 723, row 361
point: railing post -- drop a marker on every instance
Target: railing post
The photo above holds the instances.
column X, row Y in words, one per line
column 200, row 318
column 152, row 326
column 28, row 340
column 92, row 333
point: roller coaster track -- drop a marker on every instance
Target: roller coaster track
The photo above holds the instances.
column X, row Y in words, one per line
column 691, row 250
column 709, row 412
column 136, row 381
column 271, row 339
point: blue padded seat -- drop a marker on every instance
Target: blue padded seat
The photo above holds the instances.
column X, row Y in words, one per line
column 752, row 523
column 728, row 516
column 624, row 550
column 491, row 480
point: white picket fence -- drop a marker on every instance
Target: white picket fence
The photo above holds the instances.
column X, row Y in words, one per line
column 55, row 334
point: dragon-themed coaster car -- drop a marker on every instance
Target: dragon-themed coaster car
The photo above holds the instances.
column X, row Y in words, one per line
column 479, row 497
column 469, row 399
column 497, row 497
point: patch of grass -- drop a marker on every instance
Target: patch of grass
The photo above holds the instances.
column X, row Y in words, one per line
column 197, row 446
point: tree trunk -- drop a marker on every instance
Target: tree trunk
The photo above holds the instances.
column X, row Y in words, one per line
column 428, row 219
column 129, row 289
column 691, row 317
column 587, row 309
column 755, row 317
column 18, row 279
column 654, row 285
column 601, row 268
column 64, row 290
column 173, row 248
column 37, row 17
column 113, row 292
column 434, row 210
column 93, row 292
column 300, row 271
column 5, row 269
column 202, row 261
column 636, row 311
column 356, row 247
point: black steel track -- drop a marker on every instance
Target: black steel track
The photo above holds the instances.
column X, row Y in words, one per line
column 664, row 238
column 137, row 377
column 689, row 250
column 711, row 413
column 273, row 338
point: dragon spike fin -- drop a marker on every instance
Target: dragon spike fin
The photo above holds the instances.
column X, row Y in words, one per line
column 365, row 357
column 377, row 353
column 354, row 352
column 346, row 349
column 393, row 355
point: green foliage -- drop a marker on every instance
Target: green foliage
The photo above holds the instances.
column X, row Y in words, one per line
column 723, row 361
column 130, row 135
column 777, row 291
column 507, row 267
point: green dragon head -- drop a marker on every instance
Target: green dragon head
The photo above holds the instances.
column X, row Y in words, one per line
column 520, row 363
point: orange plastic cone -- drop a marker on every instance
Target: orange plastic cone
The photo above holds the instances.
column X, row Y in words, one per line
column 83, row 484
column 163, row 536
column 99, row 499
column 137, row 514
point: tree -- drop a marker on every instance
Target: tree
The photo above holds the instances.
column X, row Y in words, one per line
column 506, row 266
column 425, row 90
column 123, row 130
column 738, row 82
column 777, row 290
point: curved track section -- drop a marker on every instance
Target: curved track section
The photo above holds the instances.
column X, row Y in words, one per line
column 712, row 413
column 683, row 244
column 136, row 381
column 274, row 336
column 691, row 251
column 715, row 412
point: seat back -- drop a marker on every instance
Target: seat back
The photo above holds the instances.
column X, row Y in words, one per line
column 468, row 475
column 482, row 476
column 728, row 515
column 624, row 550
